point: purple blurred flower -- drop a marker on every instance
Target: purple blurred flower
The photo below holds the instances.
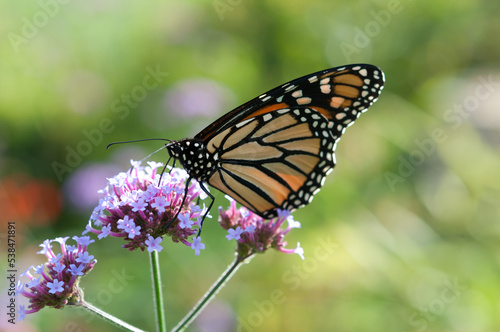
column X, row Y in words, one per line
column 138, row 206
column 82, row 185
column 55, row 283
column 253, row 234
column 195, row 97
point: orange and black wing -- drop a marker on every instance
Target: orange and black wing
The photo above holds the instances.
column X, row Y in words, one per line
column 275, row 151
column 340, row 94
column 276, row 160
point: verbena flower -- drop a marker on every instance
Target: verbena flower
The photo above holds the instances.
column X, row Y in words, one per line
column 254, row 234
column 55, row 283
column 140, row 205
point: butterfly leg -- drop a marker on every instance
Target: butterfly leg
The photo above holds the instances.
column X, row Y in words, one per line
column 182, row 203
column 205, row 190
column 212, row 199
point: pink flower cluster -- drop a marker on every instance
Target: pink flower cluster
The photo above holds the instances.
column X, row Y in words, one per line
column 253, row 234
column 55, row 283
column 140, row 206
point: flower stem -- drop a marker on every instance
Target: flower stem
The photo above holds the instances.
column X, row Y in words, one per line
column 210, row 294
column 157, row 292
column 104, row 315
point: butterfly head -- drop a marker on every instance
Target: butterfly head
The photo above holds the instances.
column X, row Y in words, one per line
column 193, row 156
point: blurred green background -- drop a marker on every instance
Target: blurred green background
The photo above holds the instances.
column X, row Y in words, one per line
column 404, row 235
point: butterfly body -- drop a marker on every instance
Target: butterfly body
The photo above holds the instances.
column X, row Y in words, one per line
column 275, row 151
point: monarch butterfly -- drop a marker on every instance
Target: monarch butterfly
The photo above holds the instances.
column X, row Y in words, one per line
column 275, row 151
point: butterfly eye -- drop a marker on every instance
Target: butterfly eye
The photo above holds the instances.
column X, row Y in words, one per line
column 174, row 149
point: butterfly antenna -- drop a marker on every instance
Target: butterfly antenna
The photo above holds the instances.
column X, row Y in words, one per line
column 143, row 140
column 155, row 152
column 138, row 140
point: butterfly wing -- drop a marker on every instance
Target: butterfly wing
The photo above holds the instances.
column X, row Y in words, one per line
column 340, row 94
column 274, row 160
column 276, row 150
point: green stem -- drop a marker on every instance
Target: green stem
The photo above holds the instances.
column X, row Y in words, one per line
column 112, row 319
column 157, row 292
column 210, row 294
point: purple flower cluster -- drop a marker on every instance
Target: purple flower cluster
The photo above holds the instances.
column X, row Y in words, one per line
column 253, row 234
column 139, row 205
column 55, row 283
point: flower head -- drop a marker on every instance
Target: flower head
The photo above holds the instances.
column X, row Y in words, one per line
column 55, row 283
column 197, row 245
column 140, row 205
column 253, row 234
column 154, row 244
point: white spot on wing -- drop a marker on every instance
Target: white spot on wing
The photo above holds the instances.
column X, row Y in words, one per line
column 242, row 123
column 340, row 116
column 313, row 79
column 326, row 88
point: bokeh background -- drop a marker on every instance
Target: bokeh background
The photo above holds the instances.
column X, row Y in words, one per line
column 405, row 234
